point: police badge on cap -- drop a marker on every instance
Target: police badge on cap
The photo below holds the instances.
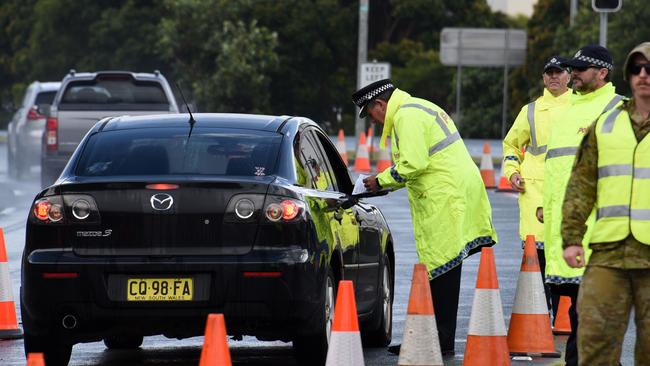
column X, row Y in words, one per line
column 369, row 92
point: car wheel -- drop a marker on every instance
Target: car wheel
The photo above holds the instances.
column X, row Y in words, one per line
column 123, row 342
column 312, row 349
column 20, row 167
column 11, row 163
column 55, row 353
column 382, row 336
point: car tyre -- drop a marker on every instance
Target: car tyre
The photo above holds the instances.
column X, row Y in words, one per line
column 123, row 342
column 11, row 162
column 55, row 352
column 382, row 336
column 312, row 349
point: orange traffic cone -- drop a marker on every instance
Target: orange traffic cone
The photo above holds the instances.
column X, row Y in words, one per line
column 370, row 136
column 420, row 344
column 562, row 323
column 504, row 183
column 35, row 359
column 362, row 161
column 385, row 160
column 345, row 340
column 215, row 345
column 530, row 326
column 8, row 323
column 341, row 148
column 486, row 337
column 487, row 168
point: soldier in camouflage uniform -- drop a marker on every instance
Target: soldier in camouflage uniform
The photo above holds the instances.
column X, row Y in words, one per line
column 612, row 175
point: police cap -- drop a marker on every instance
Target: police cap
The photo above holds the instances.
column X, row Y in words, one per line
column 369, row 92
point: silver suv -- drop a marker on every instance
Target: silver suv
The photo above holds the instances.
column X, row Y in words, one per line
column 85, row 98
column 24, row 132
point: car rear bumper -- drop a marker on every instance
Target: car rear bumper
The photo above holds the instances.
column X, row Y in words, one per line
column 269, row 294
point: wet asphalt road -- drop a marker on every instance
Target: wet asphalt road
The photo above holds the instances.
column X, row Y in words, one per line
column 16, row 196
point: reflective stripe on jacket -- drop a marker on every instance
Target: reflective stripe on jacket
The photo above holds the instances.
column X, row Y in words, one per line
column 566, row 135
column 452, row 217
column 531, row 130
column 623, row 199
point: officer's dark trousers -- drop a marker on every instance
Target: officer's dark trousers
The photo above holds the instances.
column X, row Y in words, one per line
column 445, row 290
column 571, row 290
column 552, row 299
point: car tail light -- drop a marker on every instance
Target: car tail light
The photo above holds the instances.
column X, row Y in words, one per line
column 73, row 208
column 33, row 114
column 51, row 133
column 48, row 210
column 161, row 186
column 285, row 210
column 244, row 208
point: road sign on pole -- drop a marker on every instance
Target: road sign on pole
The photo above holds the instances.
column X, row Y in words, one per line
column 603, row 7
column 374, row 71
column 482, row 47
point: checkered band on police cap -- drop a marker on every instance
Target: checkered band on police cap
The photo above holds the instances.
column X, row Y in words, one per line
column 369, row 92
column 593, row 61
column 591, row 55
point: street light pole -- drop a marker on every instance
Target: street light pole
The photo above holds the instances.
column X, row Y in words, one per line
column 603, row 29
column 362, row 57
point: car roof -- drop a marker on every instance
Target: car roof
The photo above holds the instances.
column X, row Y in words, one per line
column 47, row 85
column 203, row 120
column 92, row 75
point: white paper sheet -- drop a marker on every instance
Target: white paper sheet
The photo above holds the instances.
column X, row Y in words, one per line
column 358, row 185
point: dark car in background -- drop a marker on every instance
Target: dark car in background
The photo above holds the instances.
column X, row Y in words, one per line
column 156, row 222
column 85, row 98
column 25, row 130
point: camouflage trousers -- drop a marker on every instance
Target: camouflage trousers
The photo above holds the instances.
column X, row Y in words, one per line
column 605, row 300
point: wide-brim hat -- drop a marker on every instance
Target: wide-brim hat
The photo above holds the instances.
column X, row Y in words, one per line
column 369, row 92
column 591, row 55
column 642, row 49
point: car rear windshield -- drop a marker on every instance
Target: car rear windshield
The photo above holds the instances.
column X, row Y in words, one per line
column 167, row 151
column 114, row 93
column 45, row 98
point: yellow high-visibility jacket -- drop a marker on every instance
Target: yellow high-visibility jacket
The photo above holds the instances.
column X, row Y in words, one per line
column 530, row 131
column 452, row 217
column 566, row 136
column 623, row 199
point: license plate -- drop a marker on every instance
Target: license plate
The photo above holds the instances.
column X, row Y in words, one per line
column 159, row 289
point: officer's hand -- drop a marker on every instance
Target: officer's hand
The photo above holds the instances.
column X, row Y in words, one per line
column 371, row 183
column 540, row 214
column 517, row 183
column 574, row 256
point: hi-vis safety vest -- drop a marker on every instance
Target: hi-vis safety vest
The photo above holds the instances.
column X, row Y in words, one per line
column 531, row 131
column 452, row 217
column 623, row 200
column 566, row 135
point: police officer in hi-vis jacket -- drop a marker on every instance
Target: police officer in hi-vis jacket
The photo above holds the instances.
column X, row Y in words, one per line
column 452, row 217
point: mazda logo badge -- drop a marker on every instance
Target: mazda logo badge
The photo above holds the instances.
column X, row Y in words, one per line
column 161, row 201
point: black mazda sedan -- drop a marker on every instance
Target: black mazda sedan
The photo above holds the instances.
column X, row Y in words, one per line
column 158, row 221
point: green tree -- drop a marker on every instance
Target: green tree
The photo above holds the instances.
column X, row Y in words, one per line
column 317, row 43
column 226, row 60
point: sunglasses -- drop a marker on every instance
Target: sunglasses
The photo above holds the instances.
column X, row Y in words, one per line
column 635, row 69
